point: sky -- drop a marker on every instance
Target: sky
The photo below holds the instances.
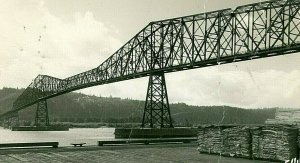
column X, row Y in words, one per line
column 61, row 38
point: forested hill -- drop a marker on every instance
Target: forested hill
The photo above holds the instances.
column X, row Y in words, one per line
column 76, row 107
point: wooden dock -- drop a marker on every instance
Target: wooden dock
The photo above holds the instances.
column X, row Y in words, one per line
column 155, row 132
column 40, row 128
column 32, row 144
column 145, row 141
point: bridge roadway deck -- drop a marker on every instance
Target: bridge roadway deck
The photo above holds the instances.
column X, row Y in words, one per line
column 123, row 154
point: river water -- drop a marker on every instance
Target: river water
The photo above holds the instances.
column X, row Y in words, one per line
column 90, row 136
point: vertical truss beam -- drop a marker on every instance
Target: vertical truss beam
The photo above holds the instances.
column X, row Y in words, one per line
column 157, row 109
column 41, row 117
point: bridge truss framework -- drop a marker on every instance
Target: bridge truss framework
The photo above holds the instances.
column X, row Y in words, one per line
column 248, row 32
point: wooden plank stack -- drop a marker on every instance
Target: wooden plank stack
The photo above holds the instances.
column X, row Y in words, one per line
column 299, row 144
column 225, row 140
column 210, row 139
column 269, row 142
column 237, row 141
column 275, row 142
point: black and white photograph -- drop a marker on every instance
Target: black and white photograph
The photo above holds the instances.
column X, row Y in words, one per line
column 151, row 81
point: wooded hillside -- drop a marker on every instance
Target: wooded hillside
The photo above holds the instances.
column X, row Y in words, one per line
column 76, row 107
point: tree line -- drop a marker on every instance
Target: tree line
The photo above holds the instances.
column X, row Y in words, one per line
column 81, row 108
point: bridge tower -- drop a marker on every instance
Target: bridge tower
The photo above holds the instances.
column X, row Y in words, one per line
column 14, row 120
column 157, row 109
column 41, row 117
column 6, row 123
column 11, row 120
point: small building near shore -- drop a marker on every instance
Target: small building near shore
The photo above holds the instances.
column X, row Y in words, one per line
column 285, row 116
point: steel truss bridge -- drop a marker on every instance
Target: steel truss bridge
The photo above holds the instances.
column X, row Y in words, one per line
column 248, row 32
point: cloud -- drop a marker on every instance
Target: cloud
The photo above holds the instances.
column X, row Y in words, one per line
column 36, row 42
column 211, row 86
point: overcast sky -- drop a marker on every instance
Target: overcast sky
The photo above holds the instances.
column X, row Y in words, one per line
column 61, row 38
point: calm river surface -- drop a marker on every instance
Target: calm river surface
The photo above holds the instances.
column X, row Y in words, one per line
column 65, row 138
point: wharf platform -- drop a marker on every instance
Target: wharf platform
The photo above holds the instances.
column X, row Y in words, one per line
column 119, row 154
column 121, row 133
column 40, row 128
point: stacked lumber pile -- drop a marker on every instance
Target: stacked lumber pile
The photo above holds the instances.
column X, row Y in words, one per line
column 271, row 142
column 225, row 140
column 275, row 142
column 237, row 141
column 299, row 144
column 210, row 139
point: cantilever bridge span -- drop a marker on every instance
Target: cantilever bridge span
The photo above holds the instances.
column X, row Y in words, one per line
column 248, row 32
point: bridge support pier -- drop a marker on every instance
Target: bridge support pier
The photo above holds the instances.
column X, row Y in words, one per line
column 11, row 121
column 6, row 123
column 14, row 120
column 41, row 117
column 157, row 109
